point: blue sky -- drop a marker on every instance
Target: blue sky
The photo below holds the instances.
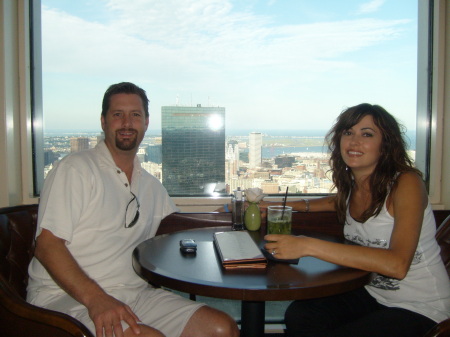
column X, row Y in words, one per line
column 273, row 64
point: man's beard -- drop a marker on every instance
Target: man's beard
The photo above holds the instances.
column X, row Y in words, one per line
column 127, row 144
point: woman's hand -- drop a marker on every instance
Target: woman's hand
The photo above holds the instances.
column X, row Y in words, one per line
column 286, row 246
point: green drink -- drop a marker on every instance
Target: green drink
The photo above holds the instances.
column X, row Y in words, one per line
column 279, row 220
column 279, row 227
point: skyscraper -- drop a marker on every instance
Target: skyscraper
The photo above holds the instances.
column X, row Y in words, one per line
column 254, row 150
column 193, row 150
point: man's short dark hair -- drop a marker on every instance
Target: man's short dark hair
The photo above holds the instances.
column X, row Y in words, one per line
column 124, row 88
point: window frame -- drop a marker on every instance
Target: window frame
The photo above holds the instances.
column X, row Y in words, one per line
column 15, row 117
column 431, row 95
column 37, row 114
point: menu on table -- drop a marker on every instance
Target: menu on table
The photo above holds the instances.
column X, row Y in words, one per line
column 238, row 250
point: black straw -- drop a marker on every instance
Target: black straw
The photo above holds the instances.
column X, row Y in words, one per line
column 284, row 202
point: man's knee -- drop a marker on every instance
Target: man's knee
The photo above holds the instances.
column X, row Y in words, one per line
column 222, row 325
column 146, row 331
column 208, row 321
column 228, row 327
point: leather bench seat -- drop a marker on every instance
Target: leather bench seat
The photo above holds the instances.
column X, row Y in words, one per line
column 17, row 230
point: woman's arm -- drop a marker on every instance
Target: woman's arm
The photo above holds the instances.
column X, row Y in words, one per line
column 407, row 205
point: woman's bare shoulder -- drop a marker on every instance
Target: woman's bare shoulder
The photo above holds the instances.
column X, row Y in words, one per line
column 409, row 177
column 410, row 186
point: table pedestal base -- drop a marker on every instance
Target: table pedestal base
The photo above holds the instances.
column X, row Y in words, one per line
column 252, row 318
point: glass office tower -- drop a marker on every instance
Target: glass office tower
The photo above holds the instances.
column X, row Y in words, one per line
column 193, row 150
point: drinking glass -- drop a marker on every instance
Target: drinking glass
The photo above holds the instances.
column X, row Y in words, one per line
column 279, row 220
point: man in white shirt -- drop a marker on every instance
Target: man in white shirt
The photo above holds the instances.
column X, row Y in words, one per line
column 96, row 206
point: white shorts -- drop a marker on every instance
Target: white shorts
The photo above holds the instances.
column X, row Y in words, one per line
column 158, row 308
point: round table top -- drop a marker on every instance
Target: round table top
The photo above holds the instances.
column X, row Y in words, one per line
column 160, row 261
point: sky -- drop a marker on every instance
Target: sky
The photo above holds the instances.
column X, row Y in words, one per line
column 273, row 64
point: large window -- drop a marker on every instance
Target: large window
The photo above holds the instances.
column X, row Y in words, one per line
column 279, row 73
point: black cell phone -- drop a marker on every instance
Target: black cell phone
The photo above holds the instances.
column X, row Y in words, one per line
column 188, row 246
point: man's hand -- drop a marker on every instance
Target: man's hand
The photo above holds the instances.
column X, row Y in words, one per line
column 107, row 313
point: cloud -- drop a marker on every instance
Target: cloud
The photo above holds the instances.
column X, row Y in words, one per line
column 203, row 48
column 370, row 7
column 199, row 35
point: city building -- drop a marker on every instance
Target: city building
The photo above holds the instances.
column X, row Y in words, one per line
column 152, row 168
column 255, row 149
column 79, row 143
column 153, row 153
column 193, row 150
column 141, row 154
column 232, row 159
column 284, row 161
column 50, row 157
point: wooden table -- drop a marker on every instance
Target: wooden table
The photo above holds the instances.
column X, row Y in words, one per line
column 160, row 261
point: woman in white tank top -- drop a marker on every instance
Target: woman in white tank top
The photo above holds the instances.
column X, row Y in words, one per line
column 383, row 205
